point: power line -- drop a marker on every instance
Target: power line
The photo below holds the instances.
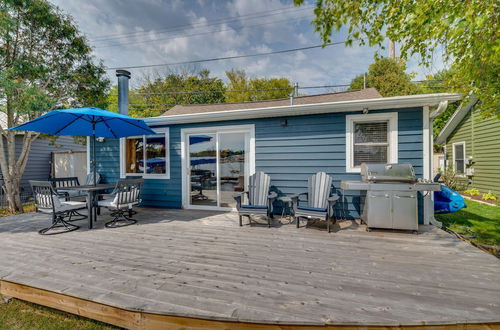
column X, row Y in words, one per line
column 198, row 34
column 227, row 57
column 204, row 24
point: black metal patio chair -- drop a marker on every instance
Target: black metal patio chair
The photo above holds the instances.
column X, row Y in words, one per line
column 47, row 200
column 122, row 199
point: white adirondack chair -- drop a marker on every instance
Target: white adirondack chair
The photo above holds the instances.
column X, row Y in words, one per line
column 319, row 202
column 260, row 200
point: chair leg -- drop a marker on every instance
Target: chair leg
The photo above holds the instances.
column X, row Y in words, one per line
column 328, row 220
column 58, row 222
column 73, row 213
column 241, row 221
column 269, row 222
column 298, row 221
column 120, row 219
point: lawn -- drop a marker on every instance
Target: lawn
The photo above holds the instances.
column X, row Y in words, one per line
column 18, row 314
column 478, row 222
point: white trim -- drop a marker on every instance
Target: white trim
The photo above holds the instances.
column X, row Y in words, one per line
column 395, row 102
column 427, row 156
column 250, row 129
column 158, row 131
column 88, row 155
column 453, row 157
column 392, row 117
column 455, row 120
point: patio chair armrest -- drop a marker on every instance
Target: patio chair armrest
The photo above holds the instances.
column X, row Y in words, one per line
column 272, row 196
column 237, row 197
column 333, row 199
column 296, row 199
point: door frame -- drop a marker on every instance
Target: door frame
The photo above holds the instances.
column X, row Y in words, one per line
column 250, row 129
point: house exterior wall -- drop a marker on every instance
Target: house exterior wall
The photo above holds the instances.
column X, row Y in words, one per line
column 289, row 154
column 40, row 157
column 481, row 138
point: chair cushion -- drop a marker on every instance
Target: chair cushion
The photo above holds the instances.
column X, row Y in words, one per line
column 259, row 207
column 111, row 202
column 63, row 206
column 314, row 209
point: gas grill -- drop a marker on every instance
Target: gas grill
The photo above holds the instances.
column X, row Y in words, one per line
column 391, row 195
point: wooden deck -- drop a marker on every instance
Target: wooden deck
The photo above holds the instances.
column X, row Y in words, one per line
column 198, row 268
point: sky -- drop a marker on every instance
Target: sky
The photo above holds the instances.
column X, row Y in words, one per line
column 142, row 32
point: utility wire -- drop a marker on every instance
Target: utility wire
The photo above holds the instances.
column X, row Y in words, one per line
column 193, row 26
column 227, row 57
column 199, row 33
column 256, row 90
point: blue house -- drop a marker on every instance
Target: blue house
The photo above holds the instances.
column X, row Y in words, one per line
column 203, row 154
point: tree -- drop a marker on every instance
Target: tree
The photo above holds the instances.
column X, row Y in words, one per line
column 44, row 63
column 388, row 76
column 467, row 31
column 157, row 93
column 241, row 88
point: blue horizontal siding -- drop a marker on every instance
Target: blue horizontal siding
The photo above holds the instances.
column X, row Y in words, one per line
column 289, row 154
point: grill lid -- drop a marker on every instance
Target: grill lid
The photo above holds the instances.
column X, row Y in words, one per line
column 388, row 173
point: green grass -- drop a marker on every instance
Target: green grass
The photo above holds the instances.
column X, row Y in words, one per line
column 480, row 221
column 17, row 314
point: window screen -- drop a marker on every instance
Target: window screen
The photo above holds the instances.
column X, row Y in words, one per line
column 371, row 142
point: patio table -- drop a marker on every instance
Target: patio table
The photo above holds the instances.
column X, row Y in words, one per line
column 91, row 191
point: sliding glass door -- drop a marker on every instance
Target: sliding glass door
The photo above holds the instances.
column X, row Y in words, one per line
column 218, row 167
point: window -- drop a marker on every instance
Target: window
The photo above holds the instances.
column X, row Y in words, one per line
column 371, row 138
column 146, row 155
column 459, row 157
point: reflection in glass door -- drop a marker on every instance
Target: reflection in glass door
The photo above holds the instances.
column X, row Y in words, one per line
column 218, row 167
column 232, row 167
column 203, row 169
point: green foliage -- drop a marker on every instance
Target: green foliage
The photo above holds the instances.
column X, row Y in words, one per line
column 472, row 192
column 44, row 62
column 388, row 76
column 159, row 93
column 467, row 32
column 261, row 88
column 489, row 196
column 451, row 179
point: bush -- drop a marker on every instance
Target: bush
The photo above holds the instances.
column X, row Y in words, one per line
column 452, row 180
column 472, row 192
column 489, row 196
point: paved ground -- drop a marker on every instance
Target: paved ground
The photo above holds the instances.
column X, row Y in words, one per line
column 202, row 264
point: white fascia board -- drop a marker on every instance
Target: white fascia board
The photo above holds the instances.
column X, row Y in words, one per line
column 396, row 102
column 455, row 119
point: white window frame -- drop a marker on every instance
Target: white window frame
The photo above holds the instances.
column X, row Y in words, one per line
column 465, row 157
column 391, row 117
column 159, row 131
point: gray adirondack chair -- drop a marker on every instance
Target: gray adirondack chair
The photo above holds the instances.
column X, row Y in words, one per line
column 319, row 202
column 260, row 200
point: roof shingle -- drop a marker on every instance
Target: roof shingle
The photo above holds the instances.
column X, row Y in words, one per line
column 363, row 94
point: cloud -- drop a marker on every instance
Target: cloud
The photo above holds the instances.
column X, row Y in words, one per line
column 133, row 32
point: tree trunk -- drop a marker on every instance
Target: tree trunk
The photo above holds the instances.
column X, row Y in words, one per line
column 13, row 167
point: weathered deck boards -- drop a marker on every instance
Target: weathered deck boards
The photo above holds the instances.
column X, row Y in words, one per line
column 202, row 265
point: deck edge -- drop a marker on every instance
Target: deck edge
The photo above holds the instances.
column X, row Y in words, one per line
column 144, row 321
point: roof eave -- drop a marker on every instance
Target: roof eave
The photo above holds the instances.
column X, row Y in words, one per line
column 396, row 102
column 455, row 119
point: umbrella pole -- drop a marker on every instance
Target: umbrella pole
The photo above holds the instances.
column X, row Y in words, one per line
column 94, row 164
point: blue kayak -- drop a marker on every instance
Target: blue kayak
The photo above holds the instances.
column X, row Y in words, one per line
column 447, row 200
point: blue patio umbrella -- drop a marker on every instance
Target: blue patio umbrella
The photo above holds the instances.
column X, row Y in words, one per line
column 93, row 122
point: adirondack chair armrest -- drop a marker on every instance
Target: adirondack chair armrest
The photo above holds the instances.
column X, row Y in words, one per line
column 237, row 197
column 296, row 199
column 272, row 196
column 333, row 199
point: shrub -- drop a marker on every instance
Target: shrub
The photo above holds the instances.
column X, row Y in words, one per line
column 452, row 180
column 472, row 192
column 489, row 196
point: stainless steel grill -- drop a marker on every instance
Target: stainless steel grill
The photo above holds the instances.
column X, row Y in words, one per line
column 391, row 195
